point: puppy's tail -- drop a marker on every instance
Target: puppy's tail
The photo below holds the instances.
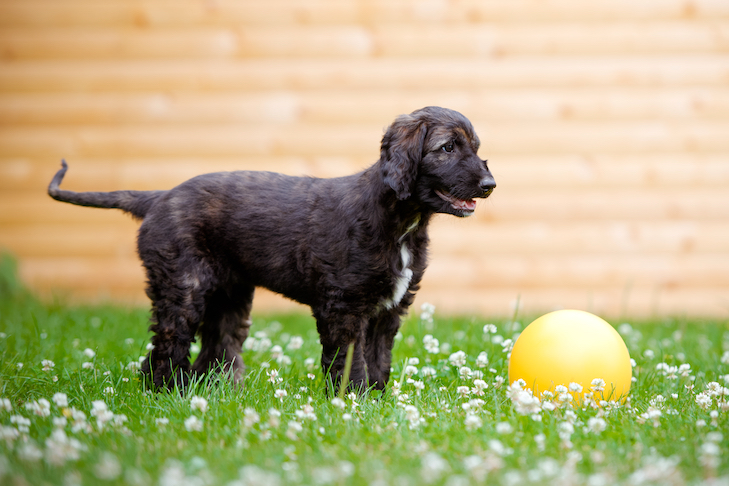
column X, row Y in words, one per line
column 136, row 203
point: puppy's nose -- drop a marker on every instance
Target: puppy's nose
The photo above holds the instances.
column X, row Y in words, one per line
column 487, row 185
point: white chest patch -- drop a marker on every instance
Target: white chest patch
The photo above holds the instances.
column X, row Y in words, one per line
column 403, row 280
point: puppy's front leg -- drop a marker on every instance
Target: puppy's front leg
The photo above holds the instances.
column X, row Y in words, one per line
column 381, row 332
column 337, row 333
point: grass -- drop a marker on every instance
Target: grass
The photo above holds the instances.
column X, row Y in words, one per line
column 76, row 423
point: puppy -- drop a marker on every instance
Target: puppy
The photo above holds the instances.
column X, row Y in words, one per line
column 352, row 248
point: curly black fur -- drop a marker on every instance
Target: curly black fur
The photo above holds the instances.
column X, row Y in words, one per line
column 353, row 248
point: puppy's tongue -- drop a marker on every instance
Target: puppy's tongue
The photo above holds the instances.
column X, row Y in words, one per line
column 465, row 205
column 469, row 205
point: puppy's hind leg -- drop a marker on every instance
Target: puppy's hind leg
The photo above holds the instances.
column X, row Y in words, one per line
column 178, row 306
column 225, row 327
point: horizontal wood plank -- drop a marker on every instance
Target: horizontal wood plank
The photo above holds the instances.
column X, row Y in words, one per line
column 615, row 304
column 475, row 41
column 372, row 106
column 154, row 13
column 404, row 74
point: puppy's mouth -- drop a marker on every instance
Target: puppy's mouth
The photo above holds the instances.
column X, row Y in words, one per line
column 465, row 206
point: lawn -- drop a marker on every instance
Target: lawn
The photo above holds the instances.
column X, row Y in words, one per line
column 73, row 410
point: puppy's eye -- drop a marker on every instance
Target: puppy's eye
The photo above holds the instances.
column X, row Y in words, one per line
column 448, row 147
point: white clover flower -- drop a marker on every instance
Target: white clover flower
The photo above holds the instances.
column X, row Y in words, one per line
column 30, row 452
column 524, row 401
column 463, row 391
column 42, row 407
column 108, row 467
column 60, row 448
column 597, row 385
column 339, row 403
column 716, row 390
column 426, row 312
column 161, row 421
column 478, row 387
column 565, row 430
column 149, row 347
column 293, row 430
column 60, row 399
column 412, row 415
column 276, row 352
column 109, row 390
column 280, row 394
column 199, row 403
column 87, row 365
column 489, row 329
column 472, row 422
column 504, row 428
column 428, row 372
column 652, row 414
column 306, row 412
column 5, row 405
column 431, row 344
column 250, row 417
column 507, row 345
column 474, row 403
column 482, row 360
column 310, row 363
column 98, row 406
column 703, row 400
column 575, row 387
column 273, row 376
column 47, row 364
column 89, row 353
column 465, row 372
column 396, row 388
column 296, row 342
column 60, row 422
column 419, row 386
column 684, row 370
column 410, row 370
column 725, row 357
column 596, row 424
column 497, row 447
column 264, row 344
column 549, row 407
column 457, row 359
column 193, row 424
column 22, row 423
column 274, row 418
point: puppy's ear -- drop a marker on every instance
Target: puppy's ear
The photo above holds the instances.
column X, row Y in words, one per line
column 401, row 152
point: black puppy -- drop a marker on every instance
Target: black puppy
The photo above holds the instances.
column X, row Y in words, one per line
column 353, row 248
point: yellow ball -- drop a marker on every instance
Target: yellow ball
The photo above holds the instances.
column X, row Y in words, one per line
column 572, row 346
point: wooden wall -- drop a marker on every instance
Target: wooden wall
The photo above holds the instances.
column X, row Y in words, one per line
column 606, row 124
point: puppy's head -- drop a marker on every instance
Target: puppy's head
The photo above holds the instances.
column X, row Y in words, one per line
column 430, row 156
